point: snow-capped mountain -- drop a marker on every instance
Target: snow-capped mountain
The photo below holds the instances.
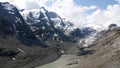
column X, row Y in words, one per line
column 45, row 36
column 39, row 26
column 42, row 20
column 12, row 23
column 51, row 19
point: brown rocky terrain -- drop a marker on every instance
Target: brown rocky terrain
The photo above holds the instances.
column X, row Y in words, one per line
column 13, row 54
column 106, row 51
column 102, row 53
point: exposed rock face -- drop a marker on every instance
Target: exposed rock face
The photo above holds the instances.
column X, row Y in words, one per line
column 47, row 25
column 81, row 33
column 112, row 26
column 42, row 25
column 13, row 23
column 106, row 51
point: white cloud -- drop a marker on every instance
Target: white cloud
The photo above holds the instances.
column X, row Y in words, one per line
column 75, row 13
column 105, row 17
column 118, row 1
column 27, row 4
column 69, row 10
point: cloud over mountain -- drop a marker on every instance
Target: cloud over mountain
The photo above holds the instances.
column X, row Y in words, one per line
column 78, row 14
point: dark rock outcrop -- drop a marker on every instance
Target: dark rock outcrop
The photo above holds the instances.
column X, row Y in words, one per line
column 12, row 23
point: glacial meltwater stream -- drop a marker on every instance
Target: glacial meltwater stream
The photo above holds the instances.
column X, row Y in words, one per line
column 65, row 61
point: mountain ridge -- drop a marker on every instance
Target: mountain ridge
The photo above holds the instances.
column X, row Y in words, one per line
column 24, row 45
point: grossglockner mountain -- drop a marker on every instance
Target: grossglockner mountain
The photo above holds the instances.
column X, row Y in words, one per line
column 29, row 38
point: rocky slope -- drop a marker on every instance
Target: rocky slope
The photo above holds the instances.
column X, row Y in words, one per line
column 48, row 25
column 102, row 53
column 106, row 51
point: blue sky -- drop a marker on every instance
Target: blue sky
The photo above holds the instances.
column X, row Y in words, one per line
column 102, row 4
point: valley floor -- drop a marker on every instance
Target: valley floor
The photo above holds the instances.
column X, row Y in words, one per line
column 65, row 61
column 105, row 54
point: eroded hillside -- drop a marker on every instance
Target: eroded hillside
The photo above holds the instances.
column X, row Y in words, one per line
column 106, row 51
